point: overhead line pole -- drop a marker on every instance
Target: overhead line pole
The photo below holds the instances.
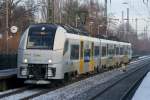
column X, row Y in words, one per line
column 136, row 25
column 123, row 25
column 53, row 13
column 128, row 19
column 48, row 12
column 7, row 25
column 105, row 15
column 127, row 24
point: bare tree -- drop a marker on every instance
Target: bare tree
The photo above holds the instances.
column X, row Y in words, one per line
column 20, row 14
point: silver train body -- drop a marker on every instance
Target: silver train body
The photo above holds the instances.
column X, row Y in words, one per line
column 50, row 52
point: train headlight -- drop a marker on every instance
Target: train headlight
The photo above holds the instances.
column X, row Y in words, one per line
column 50, row 73
column 50, row 61
column 23, row 71
column 25, row 60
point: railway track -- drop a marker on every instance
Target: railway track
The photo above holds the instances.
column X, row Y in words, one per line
column 23, row 94
column 14, row 91
column 130, row 92
column 30, row 92
column 117, row 90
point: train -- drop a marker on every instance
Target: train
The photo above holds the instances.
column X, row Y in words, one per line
column 56, row 52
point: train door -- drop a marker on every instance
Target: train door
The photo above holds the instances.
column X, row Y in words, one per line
column 91, row 63
column 81, row 67
column 117, row 55
column 126, row 54
column 96, row 55
column 103, row 55
column 87, row 56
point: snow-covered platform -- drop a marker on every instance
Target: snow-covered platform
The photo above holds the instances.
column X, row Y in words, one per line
column 143, row 91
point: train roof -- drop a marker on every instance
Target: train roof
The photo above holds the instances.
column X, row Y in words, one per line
column 81, row 37
column 75, row 33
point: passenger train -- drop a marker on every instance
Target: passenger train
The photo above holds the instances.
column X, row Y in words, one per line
column 53, row 52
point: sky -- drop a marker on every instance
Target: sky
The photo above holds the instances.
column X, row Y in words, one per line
column 137, row 9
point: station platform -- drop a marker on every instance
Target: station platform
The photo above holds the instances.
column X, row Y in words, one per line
column 8, row 73
column 143, row 91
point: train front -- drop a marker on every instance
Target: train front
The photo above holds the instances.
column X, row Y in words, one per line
column 37, row 54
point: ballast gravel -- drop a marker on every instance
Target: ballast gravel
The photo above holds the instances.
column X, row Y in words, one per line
column 83, row 89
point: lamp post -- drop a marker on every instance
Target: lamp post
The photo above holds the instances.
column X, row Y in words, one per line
column 99, row 26
column 90, row 24
column 77, row 18
column 127, row 25
column 105, row 15
column 7, row 26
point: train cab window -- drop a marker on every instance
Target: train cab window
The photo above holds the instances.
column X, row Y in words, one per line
column 74, row 52
column 41, row 37
column 103, row 51
column 66, row 46
column 96, row 51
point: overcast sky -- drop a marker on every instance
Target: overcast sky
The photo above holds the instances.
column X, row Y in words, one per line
column 137, row 10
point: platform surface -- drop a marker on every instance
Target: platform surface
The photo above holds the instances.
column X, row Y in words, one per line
column 8, row 73
column 143, row 91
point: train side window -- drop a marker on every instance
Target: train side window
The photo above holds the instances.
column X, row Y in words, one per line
column 126, row 50
column 117, row 50
column 121, row 51
column 92, row 49
column 66, row 46
column 107, row 48
column 74, row 52
column 81, row 50
column 110, row 50
column 87, row 55
column 103, row 51
column 129, row 50
column 114, row 50
column 96, row 51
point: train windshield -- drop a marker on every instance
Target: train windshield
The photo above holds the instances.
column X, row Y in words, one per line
column 41, row 38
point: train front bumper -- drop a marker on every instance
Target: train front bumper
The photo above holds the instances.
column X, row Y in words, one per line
column 36, row 71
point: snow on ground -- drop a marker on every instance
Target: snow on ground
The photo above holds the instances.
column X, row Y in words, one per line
column 81, row 88
column 143, row 92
